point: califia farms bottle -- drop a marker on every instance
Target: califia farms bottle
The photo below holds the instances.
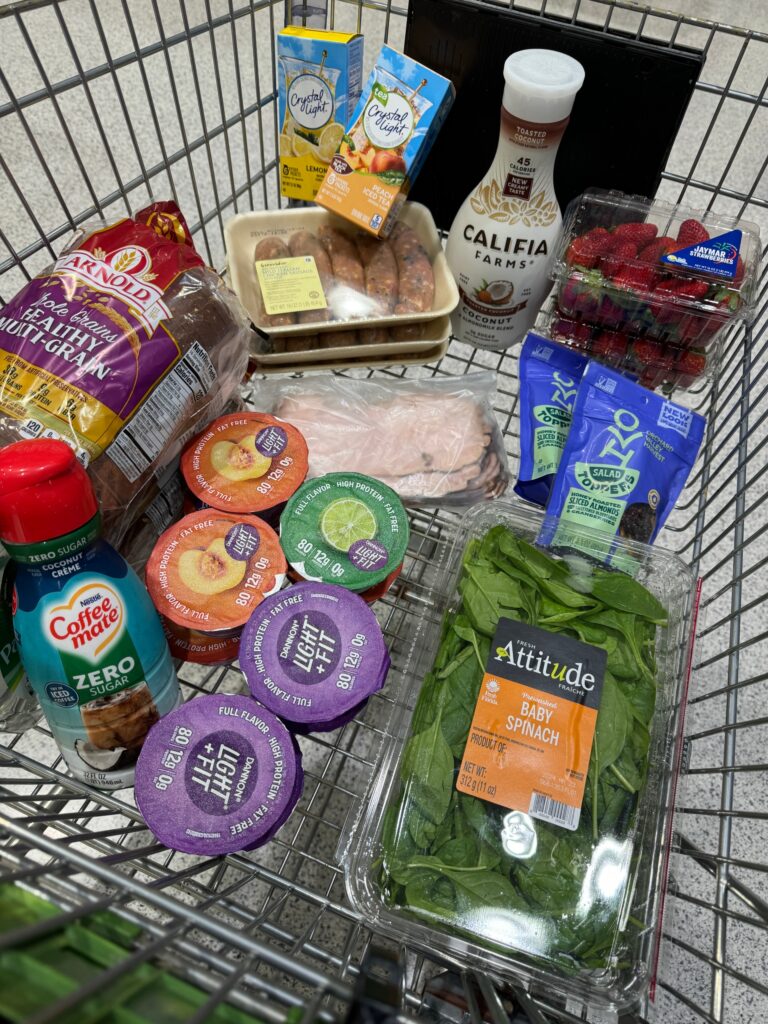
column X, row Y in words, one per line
column 501, row 241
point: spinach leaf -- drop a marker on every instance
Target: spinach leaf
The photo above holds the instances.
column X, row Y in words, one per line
column 428, row 765
column 625, row 594
column 612, row 724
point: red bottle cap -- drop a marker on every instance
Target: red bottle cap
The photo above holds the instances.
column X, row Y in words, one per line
column 44, row 492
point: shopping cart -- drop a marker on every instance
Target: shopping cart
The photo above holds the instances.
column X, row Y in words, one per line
column 106, row 102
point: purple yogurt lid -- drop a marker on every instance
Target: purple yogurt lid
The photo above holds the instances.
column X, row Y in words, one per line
column 217, row 775
column 312, row 654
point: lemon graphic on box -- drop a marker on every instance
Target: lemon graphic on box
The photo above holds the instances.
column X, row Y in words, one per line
column 303, row 147
column 329, row 142
column 345, row 521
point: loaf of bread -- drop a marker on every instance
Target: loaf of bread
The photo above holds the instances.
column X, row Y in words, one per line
column 125, row 348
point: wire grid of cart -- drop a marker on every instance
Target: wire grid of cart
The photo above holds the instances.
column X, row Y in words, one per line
column 103, row 104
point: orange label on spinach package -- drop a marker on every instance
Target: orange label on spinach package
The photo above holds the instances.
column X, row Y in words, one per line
column 531, row 736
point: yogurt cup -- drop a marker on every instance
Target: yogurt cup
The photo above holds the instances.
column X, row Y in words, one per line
column 218, row 775
column 211, row 569
column 245, row 462
column 346, row 529
column 216, row 648
column 313, row 654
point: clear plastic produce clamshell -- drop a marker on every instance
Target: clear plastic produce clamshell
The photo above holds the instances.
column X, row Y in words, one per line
column 649, row 286
column 566, row 898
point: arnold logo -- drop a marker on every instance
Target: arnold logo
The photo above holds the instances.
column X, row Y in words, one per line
column 124, row 273
column 89, row 622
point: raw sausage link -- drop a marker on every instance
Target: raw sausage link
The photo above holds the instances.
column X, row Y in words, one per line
column 337, row 339
column 271, row 249
column 406, row 332
column 416, row 278
column 304, row 243
column 380, row 266
column 347, row 268
column 374, row 336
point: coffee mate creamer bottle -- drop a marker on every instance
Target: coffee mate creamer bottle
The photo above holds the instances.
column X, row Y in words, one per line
column 501, row 241
column 89, row 636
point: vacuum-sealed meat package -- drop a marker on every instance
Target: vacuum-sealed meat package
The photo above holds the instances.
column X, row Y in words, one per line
column 434, row 442
column 125, row 347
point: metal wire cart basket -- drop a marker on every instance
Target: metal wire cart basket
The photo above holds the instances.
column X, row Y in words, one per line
column 139, row 98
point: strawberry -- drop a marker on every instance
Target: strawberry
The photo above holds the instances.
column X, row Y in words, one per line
column 689, row 366
column 620, row 252
column 738, row 277
column 610, row 347
column 651, row 361
column 691, row 231
column 580, row 293
column 690, row 289
column 653, row 252
column 638, row 232
column 639, row 278
column 662, row 305
column 572, row 332
column 610, row 313
column 585, row 251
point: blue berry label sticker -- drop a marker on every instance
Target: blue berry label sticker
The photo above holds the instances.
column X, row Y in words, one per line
column 242, row 542
column 719, row 255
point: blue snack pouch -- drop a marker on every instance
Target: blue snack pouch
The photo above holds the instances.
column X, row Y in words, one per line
column 549, row 379
column 627, row 458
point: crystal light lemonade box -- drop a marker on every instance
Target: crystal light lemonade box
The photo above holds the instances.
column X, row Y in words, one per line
column 390, row 134
column 320, row 75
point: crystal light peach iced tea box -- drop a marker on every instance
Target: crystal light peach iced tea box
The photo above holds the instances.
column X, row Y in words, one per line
column 320, row 75
column 395, row 123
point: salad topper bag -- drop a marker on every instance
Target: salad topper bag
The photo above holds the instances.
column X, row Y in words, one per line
column 124, row 345
column 549, row 380
column 627, row 458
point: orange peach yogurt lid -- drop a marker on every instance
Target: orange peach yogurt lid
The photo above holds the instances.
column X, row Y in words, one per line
column 211, row 569
column 245, row 462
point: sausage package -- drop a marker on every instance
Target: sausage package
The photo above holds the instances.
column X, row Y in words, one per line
column 549, row 379
column 306, row 272
column 627, row 458
column 126, row 346
column 433, row 441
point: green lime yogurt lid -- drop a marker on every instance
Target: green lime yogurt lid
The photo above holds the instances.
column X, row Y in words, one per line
column 344, row 528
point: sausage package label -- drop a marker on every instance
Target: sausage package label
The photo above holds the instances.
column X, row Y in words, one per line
column 82, row 345
column 529, row 745
column 290, row 285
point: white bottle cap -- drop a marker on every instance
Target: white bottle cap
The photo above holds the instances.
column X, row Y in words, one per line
column 541, row 85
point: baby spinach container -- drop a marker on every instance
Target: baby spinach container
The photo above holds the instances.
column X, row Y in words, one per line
column 519, row 818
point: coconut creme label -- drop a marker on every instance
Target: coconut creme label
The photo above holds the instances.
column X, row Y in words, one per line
column 97, row 661
column 85, row 623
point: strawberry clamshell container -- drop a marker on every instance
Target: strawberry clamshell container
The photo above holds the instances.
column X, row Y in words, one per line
column 654, row 272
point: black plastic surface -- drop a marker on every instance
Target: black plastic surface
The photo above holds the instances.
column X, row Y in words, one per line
column 623, row 124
